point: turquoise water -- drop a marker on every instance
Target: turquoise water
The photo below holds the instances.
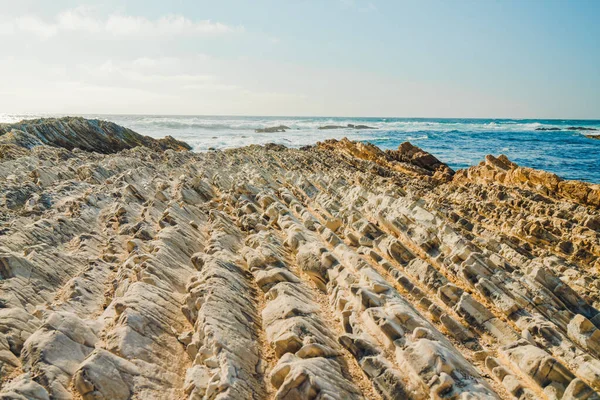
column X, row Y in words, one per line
column 458, row 142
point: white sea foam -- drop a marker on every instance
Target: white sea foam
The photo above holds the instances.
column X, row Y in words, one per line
column 424, row 137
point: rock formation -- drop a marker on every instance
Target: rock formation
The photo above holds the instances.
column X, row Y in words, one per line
column 408, row 159
column 272, row 129
column 502, row 170
column 351, row 126
column 337, row 271
column 86, row 134
column 569, row 128
column 580, row 128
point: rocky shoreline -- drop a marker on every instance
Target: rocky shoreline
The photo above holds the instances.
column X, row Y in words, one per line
column 133, row 268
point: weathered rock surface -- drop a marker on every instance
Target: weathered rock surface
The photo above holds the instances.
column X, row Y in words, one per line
column 501, row 170
column 86, row 134
column 339, row 271
column 408, row 159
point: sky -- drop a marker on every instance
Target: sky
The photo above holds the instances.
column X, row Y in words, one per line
column 478, row 59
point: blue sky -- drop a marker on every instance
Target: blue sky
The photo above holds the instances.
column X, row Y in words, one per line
column 519, row 59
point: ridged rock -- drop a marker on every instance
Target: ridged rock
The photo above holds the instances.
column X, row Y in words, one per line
column 338, row 271
column 507, row 173
column 407, row 158
column 86, row 134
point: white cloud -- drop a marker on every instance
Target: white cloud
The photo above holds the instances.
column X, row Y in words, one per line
column 163, row 62
column 78, row 19
column 127, row 25
column 148, row 70
column 177, row 24
column 116, row 25
column 211, row 86
column 32, row 24
column 6, row 28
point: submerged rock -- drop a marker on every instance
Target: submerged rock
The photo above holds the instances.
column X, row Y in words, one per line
column 273, row 129
column 580, row 128
column 336, row 271
column 569, row 128
column 351, row 126
column 332, row 127
column 360, row 126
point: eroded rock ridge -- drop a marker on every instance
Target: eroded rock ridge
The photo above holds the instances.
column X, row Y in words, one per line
column 86, row 134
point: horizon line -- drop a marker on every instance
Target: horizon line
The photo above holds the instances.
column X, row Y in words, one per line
column 290, row 116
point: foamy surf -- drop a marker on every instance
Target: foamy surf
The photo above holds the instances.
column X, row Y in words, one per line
column 459, row 142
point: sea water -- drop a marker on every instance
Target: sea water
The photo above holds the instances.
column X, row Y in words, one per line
column 457, row 142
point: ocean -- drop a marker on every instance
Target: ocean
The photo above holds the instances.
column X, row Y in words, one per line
column 458, row 142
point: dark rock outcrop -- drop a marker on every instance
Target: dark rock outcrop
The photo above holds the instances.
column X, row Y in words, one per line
column 580, row 128
column 86, row 134
column 325, row 127
column 351, row 126
column 408, row 159
column 272, row 129
column 21, row 139
column 412, row 154
column 360, row 126
column 569, row 128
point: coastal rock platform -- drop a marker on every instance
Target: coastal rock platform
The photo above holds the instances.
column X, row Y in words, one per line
column 335, row 271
